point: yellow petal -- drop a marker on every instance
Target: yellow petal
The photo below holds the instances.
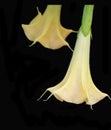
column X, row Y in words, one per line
column 32, row 30
column 47, row 29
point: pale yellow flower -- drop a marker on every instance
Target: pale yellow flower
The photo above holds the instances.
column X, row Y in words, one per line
column 77, row 86
column 47, row 29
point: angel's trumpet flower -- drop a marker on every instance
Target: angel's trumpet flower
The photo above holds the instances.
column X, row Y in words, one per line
column 47, row 29
column 77, row 86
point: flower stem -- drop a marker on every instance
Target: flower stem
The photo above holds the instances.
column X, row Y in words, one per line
column 87, row 19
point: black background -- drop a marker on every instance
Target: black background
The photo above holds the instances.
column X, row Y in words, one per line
column 25, row 72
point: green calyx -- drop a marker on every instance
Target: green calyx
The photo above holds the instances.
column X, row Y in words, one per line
column 87, row 19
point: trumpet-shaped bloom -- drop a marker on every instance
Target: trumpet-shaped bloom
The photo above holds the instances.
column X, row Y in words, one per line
column 77, row 86
column 47, row 29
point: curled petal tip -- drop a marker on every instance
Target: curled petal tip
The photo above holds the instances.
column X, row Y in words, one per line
column 70, row 48
column 22, row 25
column 91, row 107
column 75, row 31
column 109, row 97
column 38, row 10
column 32, row 44
column 38, row 99
column 41, row 95
column 48, row 97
